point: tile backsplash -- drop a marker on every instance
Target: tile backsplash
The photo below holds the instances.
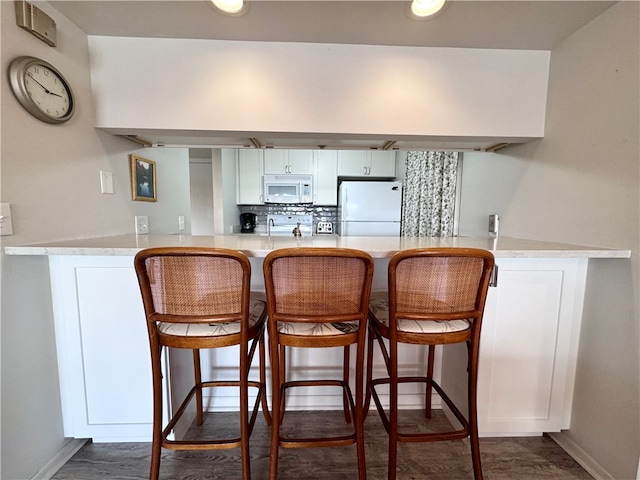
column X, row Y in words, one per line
column 320, row 213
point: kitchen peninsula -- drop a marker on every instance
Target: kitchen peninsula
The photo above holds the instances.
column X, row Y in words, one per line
column 529, row 338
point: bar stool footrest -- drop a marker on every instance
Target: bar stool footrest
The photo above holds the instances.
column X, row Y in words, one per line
column 421, row 437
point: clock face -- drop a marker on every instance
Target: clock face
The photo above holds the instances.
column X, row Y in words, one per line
column 47, row 90
column 41, row 89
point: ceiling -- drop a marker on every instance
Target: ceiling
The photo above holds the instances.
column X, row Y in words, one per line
column 514, row 24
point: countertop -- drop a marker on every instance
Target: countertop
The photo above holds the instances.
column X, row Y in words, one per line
column 259, row 246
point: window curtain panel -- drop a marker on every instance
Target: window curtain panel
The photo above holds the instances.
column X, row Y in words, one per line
column 429, row 194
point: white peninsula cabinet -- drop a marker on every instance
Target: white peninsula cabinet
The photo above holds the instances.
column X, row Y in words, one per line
column 277, row 161
column 367, row 163
column 250, row 169
column 528, row 348
column 104, row 362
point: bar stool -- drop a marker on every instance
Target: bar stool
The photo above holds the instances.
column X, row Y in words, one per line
column 317, row 298
column 197, row 298
column 436, row 297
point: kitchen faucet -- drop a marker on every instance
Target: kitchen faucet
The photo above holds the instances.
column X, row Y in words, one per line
column 270, row 223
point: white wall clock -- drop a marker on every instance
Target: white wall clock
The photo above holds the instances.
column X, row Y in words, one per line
column 41, row 89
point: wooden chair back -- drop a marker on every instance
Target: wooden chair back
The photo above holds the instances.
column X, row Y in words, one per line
column 194, row 285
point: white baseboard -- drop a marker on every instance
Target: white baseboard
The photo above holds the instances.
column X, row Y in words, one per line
column 56, row 463
column 585, row 460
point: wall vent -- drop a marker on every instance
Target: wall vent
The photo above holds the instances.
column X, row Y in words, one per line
column 36, row 22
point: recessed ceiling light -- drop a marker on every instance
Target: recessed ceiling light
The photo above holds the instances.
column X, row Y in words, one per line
column 421, row 9
column 231, row 7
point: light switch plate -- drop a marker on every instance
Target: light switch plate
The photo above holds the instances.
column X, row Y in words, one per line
column 6, row 224
column 106, row 182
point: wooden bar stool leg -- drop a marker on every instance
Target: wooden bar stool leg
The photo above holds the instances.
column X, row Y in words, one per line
column 473, row 414
column 367, row 400
column 244, row 411
column 277, row 370
column 345, row 377
column 263, row 379
column 156, row 445
column 282, row 362
column 359, row 413
column 393, row 411
column 198, row 382
column 429, row 388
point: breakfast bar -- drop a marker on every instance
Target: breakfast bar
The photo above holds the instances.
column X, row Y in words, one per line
column 528, row 350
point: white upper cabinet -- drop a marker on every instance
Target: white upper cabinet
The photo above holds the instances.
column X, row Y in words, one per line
column 249, row 177
column 325, row 177
column 324, row 165
column 382, row 163
column 288, row 161
column 367, row 163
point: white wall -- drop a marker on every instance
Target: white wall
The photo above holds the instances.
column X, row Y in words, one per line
column 200, row 176
column 316, row 88
column 231, row 213
column 581, row 184
column 201, row 190
column 50, row 175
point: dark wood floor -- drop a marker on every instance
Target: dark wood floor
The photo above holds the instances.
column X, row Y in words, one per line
column 503, row 458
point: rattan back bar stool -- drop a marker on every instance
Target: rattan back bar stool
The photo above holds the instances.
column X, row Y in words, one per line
column 435, row 297
column 199, row 298
column 317, row 298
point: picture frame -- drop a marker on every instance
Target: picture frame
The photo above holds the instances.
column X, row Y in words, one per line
column 143, row 179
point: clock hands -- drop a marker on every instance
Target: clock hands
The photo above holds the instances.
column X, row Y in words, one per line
column 45, row 88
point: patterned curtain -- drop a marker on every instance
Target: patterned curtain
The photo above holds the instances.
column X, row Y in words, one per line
column 429, row 194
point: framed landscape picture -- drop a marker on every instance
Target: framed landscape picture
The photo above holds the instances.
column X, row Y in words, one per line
column 143, row 179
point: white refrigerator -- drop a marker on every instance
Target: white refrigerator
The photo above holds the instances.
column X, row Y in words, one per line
column 369, row 209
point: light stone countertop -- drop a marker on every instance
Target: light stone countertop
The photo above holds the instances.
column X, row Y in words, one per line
column 259, row 246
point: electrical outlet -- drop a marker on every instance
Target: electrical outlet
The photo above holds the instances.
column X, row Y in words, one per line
column 142, row 224
column 6, row 225
column 181, row 223
column 494, row 224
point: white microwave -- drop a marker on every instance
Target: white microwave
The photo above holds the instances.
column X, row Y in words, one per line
column 288, row 188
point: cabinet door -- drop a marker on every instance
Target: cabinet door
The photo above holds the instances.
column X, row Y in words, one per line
column 280, row 162
column 103, row 348
column 367, row 163
column 352, row 163
column 276, row 161
column 249, row 177
column 382, row 163
column 527, row 349
column 325, row 187
column 300, row 161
